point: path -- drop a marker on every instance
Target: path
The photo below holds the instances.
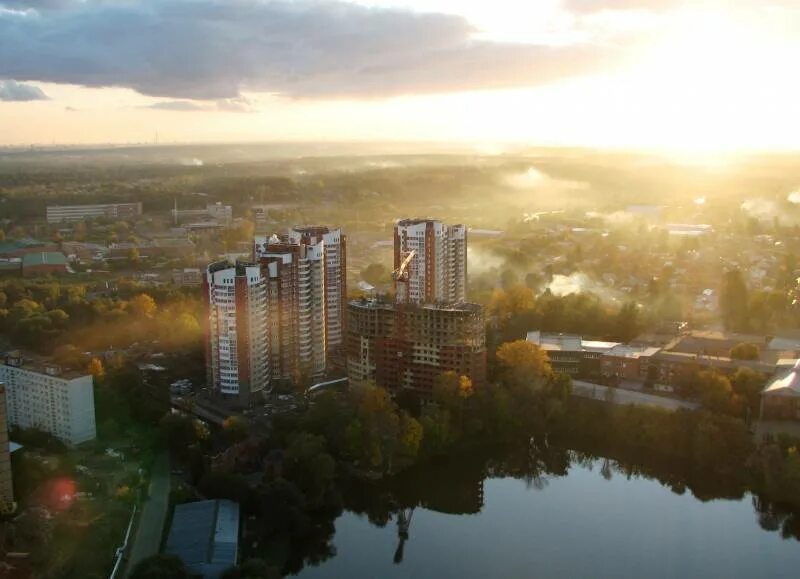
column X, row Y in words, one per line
column 147, row 539
column 622, row 397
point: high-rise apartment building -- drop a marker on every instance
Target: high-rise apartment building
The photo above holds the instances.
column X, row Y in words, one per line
column 435, row 255
column 237, row 336
column 41, row 395
column 429, row 329
column 295, row 274
column 6, row 482
column 335, row 252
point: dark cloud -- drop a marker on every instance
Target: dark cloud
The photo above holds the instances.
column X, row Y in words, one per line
column 213, row 49
column 11, row 90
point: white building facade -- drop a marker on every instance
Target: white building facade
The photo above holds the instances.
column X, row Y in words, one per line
column 60, row 405
column 437, row 271
column 237, row 345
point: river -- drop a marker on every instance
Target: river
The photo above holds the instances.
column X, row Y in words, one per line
column 577, row 516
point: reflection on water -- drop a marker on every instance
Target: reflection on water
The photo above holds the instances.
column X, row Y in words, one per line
column 555, row 513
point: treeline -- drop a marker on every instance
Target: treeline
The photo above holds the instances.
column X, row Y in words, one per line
column 517, row 309
column 60, row 319
column 710, row 451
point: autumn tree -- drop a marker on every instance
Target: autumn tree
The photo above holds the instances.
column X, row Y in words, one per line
column 142, row 306
column 96, row 369
column 523, row 363
column 745, row 351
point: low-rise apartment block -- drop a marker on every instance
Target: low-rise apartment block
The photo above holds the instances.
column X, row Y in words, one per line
column 40, row 395
column 67, row 213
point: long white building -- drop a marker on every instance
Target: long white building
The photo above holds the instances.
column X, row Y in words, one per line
column 65, row 213
column 437, row 270
column 237, row 344
column 45, row 398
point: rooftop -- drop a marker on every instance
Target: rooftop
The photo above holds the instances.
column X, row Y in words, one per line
column 43, row 258
column 205, row 535
column 786, row 385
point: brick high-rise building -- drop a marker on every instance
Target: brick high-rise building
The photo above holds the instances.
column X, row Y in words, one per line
column 437, row 271
column 409, row 346
column 295, row 274
column 237, row 338
column 335, row 252
column 430, row 328
column 6, row 483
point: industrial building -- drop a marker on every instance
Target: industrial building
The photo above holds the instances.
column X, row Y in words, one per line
column 67, row 213
column 205, row 536
column 41, row 395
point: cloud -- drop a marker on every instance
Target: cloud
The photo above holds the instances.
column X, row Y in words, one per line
column 11, row 90
column 214, row 49
column 35, row 4
column 234, row 105
column 176, row 106
column 593, row 6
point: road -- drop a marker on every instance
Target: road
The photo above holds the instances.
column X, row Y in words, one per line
column 147, row 539
column 622, row 397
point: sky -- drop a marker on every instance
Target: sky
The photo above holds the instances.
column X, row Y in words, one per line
column 682, row 75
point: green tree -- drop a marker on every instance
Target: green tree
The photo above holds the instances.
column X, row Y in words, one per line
column 236, row 428
column 627, row 322
column 733, row 301
column 309, row 466
column 745, row 351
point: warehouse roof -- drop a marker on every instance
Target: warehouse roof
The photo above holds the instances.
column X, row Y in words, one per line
column 205, row 535
column 43, row 258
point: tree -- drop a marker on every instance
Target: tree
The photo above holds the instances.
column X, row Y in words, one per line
column 178, row 433
column 235, row 428
column 163, row 566
column 133, row 255
column 252, row 569
column 748, row 384
column 715, row 391
column 375, row 274
column 733, row 301
column 745, row 351
column 523, row 364
column 142, row 306
column 308, row 465
column 627, row 322
column 96, row 369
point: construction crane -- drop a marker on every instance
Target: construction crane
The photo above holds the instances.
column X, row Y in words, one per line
column 401, row 272
column 400, row 276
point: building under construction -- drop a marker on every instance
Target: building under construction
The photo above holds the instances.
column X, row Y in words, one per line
column 408, row 346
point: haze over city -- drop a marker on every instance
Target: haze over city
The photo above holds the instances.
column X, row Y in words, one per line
column 399, row 289
column 666, row 74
